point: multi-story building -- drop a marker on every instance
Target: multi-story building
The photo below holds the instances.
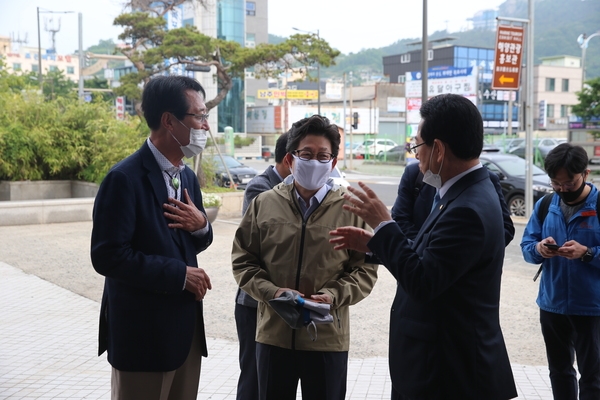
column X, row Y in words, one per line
column 493, row 104
column 556, row 80
column 26, row 59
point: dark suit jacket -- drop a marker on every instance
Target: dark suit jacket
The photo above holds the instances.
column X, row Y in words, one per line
column 413, row 203
column 260, row 183
column 445, row 337
column 147, row 319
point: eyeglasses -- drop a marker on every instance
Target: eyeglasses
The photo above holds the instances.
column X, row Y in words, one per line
column 413, row 149
column 305, row 155
column 199, row 117
column 565, row 186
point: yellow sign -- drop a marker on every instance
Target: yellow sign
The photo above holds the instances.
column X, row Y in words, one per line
column 288, row 94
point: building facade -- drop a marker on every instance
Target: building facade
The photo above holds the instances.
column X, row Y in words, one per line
column 493, row 104
column 25, row 59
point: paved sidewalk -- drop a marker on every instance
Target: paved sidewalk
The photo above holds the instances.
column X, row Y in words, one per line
column 48, row 351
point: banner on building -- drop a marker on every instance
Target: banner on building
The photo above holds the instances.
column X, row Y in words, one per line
column 442, row 80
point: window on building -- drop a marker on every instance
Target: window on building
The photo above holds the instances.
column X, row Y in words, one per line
column 550, row 110
column 251, row 8
column 550, row 83
column 16, row 66
column 429, row 55
column 564, row 111
column 250, row 40
column 401, row 78
column 70, row 70
column 53, row 68
column 565, row 85
column 35, row 68
column 405, row 58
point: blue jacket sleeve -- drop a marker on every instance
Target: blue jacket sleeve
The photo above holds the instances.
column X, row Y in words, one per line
column 531, row 236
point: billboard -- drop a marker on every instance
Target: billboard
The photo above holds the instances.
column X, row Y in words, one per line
column 287, row 94
column 442, row 80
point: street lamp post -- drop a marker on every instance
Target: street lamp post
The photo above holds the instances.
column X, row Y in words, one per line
column 318, row 72
column 583, row 40
column 40, row 78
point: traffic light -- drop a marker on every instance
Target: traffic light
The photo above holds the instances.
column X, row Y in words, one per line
column 354, row 120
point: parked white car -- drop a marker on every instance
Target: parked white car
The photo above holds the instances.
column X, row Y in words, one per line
column 375, row 147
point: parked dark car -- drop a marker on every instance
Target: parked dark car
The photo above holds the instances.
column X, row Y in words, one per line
column 241, row 174
column 393, row 155
column 266, row 153
column 542, row 145
column 511, row 171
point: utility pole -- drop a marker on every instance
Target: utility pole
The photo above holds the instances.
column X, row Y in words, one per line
column 344, row 116
column 81, row 57
column 424, row 56
column 40, row 79
column 351, row 114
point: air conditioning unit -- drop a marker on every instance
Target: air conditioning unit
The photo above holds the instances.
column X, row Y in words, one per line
column 250, row 44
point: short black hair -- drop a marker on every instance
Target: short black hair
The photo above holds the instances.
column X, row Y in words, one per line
column 456, row 121
column 167, row 94
column 573, row 159
column 280, row 147
column 316, row 125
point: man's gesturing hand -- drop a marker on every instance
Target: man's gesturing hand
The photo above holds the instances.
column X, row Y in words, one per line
column 367, row 205
column 186, row 215
column 197, row 282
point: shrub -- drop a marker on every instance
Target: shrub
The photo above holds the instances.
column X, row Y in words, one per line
column 63, row 139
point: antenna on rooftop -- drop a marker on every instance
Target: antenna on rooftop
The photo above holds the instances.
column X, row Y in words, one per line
column 17, row 41
column 53, row 30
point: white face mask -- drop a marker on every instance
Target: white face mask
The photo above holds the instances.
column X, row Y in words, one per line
column 429, row 177
column 311, row 174
column 197, row 142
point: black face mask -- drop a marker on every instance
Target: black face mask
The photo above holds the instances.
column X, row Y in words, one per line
column 569, row 197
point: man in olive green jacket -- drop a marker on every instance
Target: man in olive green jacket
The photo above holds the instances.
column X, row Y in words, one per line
column 283, row 244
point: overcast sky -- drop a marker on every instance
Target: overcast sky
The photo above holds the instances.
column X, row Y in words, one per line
column 347, row 25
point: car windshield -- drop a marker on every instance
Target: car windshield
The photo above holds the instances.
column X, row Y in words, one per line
column 516, row 167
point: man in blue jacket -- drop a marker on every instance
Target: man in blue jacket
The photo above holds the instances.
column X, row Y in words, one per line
column 149, row 225
column 567, row 243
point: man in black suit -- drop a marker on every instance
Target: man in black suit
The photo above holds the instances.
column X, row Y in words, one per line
column 245, row 305
column 414, row 200
column 445, row 336
column 148, row 227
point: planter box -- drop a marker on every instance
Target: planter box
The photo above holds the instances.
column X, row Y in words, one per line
column 46, row 190
column 46, row 202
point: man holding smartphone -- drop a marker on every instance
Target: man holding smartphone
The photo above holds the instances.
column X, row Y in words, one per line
column 567, row 244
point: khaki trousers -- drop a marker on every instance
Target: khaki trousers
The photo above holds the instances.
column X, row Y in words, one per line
column 181, row 384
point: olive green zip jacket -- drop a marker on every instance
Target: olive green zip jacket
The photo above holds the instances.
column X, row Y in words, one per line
column 274, row 248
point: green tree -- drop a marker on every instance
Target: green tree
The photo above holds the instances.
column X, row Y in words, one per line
column 150, row 44
column 589, row 103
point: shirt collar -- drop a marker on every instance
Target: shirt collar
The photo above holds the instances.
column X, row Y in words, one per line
column 163, row 163
column 319, row 196
column 448, row 184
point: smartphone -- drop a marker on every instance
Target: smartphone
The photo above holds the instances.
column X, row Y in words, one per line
column 552, row 246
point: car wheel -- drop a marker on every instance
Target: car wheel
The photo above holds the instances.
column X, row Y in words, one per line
column 516, row 205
